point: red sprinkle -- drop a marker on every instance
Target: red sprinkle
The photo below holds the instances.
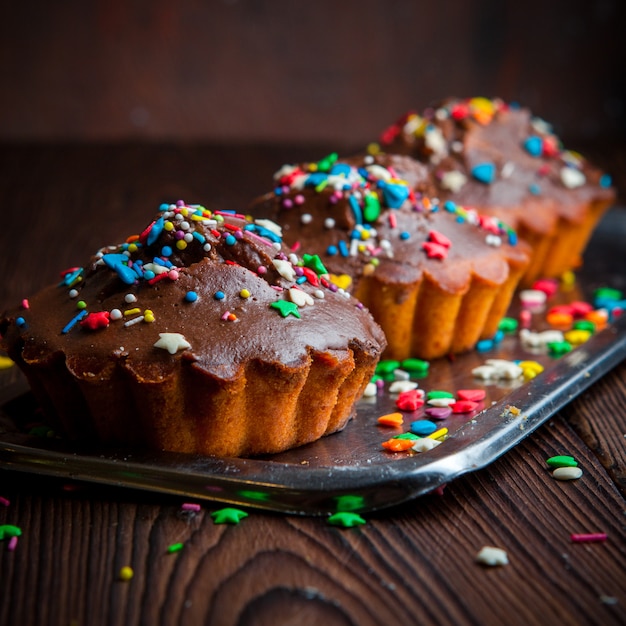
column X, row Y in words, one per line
column 25, row 304
column 93, row 321
column 311, row 276
column 474, row 395
column 437, row 237
column 587, row 537
column 435, row 250
column 547, row 285
column 410, row 400
column 463, row 406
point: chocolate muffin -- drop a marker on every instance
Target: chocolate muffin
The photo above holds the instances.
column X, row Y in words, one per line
column 504, row 162
column 202, row 334
column 436, row 276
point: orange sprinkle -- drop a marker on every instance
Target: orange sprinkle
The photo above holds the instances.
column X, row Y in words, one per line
column 232, row 317
column 391, row 419
column 598, row 317
column 559, row 319
column 132, row 238
column 398, row 445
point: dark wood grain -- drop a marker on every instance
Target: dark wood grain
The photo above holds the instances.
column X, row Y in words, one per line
column 411, row 564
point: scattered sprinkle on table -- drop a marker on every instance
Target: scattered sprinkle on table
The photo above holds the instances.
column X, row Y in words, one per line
column 587, row 537
column 126, row 573
column 567, row 473
column 346, row 519
column 175, row 547
column 488, row 555
column 228, row 515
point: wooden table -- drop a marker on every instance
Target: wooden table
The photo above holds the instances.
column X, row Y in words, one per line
column 414, row 564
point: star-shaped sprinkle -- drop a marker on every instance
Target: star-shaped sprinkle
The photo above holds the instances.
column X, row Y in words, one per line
column 346, row 519
column 172, row 342
column 228, row 516
column 286, row 308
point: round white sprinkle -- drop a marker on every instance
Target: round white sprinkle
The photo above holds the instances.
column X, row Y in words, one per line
column 567, row 473
column 318, row 293
column 116, row 314
column 306, row 218
column 329, row 223
column 129, row 298
column 206, row 247
column 188, row 237
column 184, row 225
column 73, row 293
column 491, row 556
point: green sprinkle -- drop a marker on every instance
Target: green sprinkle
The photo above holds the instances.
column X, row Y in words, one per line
column 175, row 547
column 406, row 436
column 372, row 207
column 345, row 519
column 559, row 348
column 415, row 366
column 327, row 162
column 8, row 531
column 607, row 293
column 387, row 367
column 81, row 304
column 584, row 325
column 562, row 460
column 314, row 262
column 228, row 516
column 508, row 325
column 349, row 502
column 432, row 395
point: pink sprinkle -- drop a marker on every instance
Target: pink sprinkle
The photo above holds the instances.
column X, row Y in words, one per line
column 12, row 543
column 296, row 246
column 525, row 318
column 25, row 304
column 225, row 316
column 587, row 537
column 173, row 274
column 393, row 222
column 190, row 506
column 4, row 501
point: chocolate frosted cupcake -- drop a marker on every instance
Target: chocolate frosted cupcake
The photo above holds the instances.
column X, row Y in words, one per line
column 437, row 277
column 202, row 334
column 506, row 163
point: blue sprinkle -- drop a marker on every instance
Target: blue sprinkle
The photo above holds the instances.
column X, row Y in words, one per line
column 164, row 207
column 355, row 234
column 423, row 427
column 484, row 345
column 219, row 295
column 498, row 337
column 512, row 238
column 301, row 279
column 449, row 206
column 70, row 278
column 230, row 240
column 534, row 189
column 74, row 321
column 191, row 296
column 199, row 236
column 605, row 181
column 149, row 274
column 166, row 251
column 405, row 235
column 158, row 261
column 332, row 250
column 316, row 178
column 155, row 231
column 534, row 145
column 484, row 172
column 137, row 269
column 278, row 191
column 264, row 232
column 460, row 219
column 343, row 248
column 394, row 195
column 356, row 210
column 21, row 322
column 340, row 169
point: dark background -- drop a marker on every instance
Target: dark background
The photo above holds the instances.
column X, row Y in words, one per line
column 291, row 71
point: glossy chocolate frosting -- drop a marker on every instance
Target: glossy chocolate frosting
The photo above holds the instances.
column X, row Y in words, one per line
column 493, row 156
column 221, row 289
column 366, row 216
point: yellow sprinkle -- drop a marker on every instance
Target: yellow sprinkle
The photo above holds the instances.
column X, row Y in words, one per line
column 368, row 269
column 244, row 293
column 184, row 211
column 126, row 573
column 132, row 311
column 577, row 336
column 132, row 247
column 5, row 362
column 568, row 279
column 148, row 316
column 343, row 281
column 365, row 235
column 168, row 226
column 439, row 434
column 312, row 167
column 373, row 149
column 530, row 369
column 181, row 244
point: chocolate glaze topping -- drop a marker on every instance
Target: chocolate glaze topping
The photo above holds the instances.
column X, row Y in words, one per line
column 490, row 155
column 366, row 215
column 215, row 289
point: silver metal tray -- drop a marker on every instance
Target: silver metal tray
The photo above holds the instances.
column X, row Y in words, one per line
column 350, row 470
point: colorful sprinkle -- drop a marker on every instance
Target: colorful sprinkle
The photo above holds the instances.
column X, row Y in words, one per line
column 126, row 573
column 346, row 519
column 484, row 172
column 228, row 515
